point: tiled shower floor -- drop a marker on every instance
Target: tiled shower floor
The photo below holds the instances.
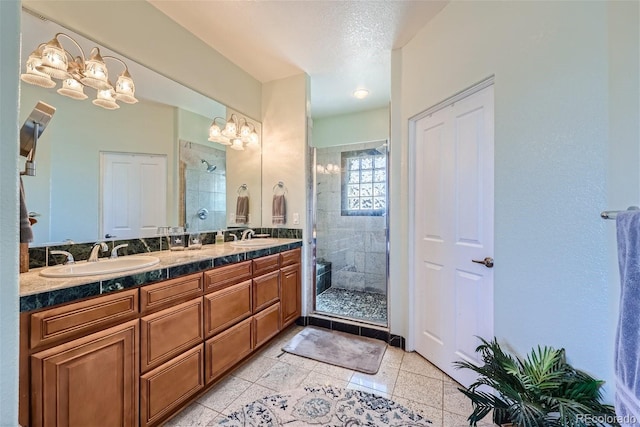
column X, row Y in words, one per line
column 358, row 305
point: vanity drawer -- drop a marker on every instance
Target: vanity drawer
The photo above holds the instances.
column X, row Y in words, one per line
column 169, row 385
column 170, row 292
column 169, row 332
column 266, row 290
column 290, row 257
column 266, row 324
column 265, row 264
column 222, row 277
column 226, row 307
column 60, row 324
column 228, row 348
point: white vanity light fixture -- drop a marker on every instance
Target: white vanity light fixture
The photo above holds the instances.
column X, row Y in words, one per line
column 51, row 60
column 360, row 93
column 236, row 132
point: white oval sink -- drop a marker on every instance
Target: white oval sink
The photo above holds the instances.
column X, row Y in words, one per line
column 125, row 263
column 253, row 243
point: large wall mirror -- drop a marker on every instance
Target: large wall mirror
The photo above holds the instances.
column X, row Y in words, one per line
column 80, row 156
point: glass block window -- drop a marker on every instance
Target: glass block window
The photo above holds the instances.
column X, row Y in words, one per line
column 364, row 183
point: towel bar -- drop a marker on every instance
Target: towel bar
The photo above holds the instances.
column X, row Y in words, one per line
column 613, row 214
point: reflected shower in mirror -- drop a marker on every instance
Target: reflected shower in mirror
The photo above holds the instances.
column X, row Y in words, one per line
column 205, row 181
column 67, row 197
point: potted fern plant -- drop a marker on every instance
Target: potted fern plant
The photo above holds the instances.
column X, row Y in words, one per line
column 541, row 390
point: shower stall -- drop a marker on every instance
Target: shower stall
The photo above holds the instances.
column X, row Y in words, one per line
column 351, row 239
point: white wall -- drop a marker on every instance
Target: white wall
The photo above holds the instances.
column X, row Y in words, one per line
column 9, row 71
column 139, row 31
column 550, row 60
column 285, row 154
column 363, row 126
column 284, row 139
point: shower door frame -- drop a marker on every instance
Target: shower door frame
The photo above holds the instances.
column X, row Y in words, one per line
column 314, row 202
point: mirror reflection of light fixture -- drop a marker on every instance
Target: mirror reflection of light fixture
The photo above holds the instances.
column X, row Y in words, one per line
column 234, row 132
column 329, row 169
column 51, row 60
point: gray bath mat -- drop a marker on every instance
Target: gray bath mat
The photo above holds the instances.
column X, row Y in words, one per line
column 338, row 348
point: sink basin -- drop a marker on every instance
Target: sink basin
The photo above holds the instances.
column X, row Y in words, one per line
column 253, row 243
column 124, row 263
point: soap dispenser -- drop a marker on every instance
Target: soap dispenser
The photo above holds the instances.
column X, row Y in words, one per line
column 220, row 237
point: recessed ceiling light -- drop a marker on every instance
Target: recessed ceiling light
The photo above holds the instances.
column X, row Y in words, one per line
column 361, row 93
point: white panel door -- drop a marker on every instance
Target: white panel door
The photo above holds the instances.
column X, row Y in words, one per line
column 453, row 225
column 134, row 194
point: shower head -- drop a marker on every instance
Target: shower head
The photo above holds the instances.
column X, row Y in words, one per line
column 210, row 167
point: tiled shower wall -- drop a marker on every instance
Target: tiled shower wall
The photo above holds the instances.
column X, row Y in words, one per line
column 204, row 189
column 355, row 245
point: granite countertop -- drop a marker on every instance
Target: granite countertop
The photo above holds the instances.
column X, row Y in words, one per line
column 37, row 291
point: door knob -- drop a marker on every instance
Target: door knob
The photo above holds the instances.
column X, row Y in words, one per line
column 488, row 262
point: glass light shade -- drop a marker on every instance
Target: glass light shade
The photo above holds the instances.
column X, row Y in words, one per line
column 54, row 60
column 105, row 100
column 254, row 139
column 125, row 89
column 236, row 144
column 33, row 76
column 230, row 129
column 73, row 89
column 95, row 72
column 223, row 140
column 245, row 131
column 214, row 131
column 360, row 93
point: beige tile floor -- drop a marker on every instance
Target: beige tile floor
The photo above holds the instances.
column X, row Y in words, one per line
column 404, row 377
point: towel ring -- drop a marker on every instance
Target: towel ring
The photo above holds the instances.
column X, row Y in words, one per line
column 242, row 189
column 280, row 185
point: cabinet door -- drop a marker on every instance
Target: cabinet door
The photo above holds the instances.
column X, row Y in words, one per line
column 169, row 332
column 92, row 381
column 265, row 264
column 228, row 348
column 165, row 388
column 226, row 307
column 70, row 321
column 266, row 324
column 290, row 299
column 266, row 290
column 290, row 257
column 170, row 292
column 221, row 277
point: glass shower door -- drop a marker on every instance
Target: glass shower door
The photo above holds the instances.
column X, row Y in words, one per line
column 351, row 193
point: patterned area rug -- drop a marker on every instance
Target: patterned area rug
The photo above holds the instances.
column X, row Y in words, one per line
column 338, row 348
column 326, row 406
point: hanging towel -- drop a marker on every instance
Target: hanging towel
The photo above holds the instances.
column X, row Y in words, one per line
column 26, row 234
column 627, row 344
column 279, row 209
column 242, row 210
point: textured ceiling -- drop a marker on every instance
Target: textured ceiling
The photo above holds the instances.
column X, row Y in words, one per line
column 342, row 45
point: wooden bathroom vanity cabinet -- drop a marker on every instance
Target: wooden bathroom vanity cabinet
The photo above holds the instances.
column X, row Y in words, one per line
column 137, row 356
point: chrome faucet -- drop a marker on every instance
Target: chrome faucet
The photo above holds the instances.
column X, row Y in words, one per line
column 93, row 256
column 114, row 251
column 246, row 234
column 69, row 260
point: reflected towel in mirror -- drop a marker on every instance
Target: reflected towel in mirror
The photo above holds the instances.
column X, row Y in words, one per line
column 242, row 210
column 279, row 209
column 26, row 233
